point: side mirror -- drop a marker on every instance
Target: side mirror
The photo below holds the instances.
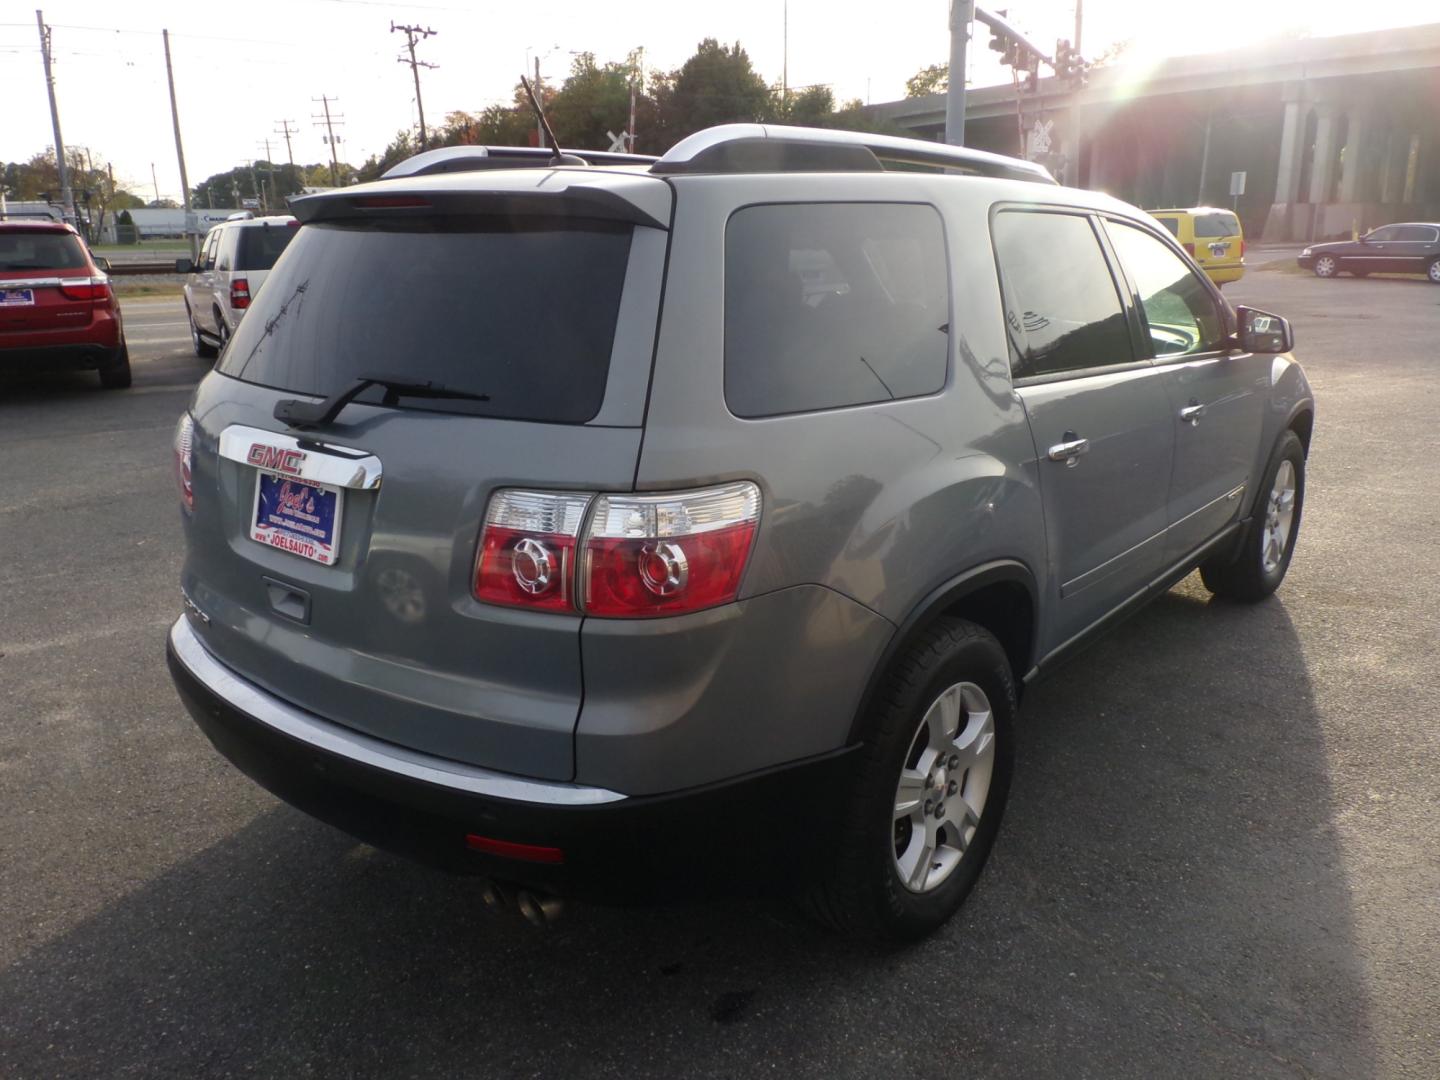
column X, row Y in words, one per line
column 102, row 263
column 185, row 266
column 1261, row 332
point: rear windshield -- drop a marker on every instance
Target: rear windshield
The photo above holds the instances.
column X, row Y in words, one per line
column 1173, row 224
column 41, row 251
column 522, row 310
column 261, row 245
column 1216, row 225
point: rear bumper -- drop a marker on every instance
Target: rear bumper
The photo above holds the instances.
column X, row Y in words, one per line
column 762, row 830
column 79, row 356
column 1222, row 275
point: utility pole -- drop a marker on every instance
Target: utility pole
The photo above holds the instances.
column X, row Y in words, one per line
column 962, row 14
column 785, row 59
column 265, row 200
column 412, row 34
column 330, row 122
column 287, row 131
column 1079, row 21
column 154, row 182
column 179, row 152
column 67, row 194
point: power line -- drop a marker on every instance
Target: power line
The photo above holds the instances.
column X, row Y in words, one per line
column 412, row 34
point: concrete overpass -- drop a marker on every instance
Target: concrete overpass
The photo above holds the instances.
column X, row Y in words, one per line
column 1332, row 133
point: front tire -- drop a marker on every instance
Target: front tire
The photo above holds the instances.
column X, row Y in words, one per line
column 930, row 791
column 1269, row 539
column 1326, row 266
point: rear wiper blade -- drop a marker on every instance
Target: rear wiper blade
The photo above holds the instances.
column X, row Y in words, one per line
column 306, row 414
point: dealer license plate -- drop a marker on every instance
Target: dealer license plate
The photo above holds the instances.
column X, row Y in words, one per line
column 17, row 297
column 298, row 517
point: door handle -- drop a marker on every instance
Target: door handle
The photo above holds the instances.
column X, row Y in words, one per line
column 1192, row 413
column 1070, row 450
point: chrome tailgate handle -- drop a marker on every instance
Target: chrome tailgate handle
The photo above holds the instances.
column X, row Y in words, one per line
column 323, row 463
column 1192, row 413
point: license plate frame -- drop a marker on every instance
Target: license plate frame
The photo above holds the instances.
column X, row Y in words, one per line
column 287, row 526
column 17, row 297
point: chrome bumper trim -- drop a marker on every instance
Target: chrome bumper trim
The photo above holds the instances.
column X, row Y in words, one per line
column 269, row 710
column 324, row 463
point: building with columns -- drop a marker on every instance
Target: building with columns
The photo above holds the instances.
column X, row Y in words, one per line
column 1333, row 134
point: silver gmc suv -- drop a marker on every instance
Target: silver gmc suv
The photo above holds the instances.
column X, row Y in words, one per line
column 627, row 527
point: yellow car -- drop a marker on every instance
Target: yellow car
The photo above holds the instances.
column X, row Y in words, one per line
column 1213, row 238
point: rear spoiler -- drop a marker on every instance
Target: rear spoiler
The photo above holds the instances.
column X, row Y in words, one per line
column 392, row 199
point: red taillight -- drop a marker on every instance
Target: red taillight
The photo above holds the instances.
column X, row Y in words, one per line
column 641, row 556
column 506, row 849
column 528, row 547
column 184, row 435
column 1242, row 247
column 239, row 293
column 1189, row 249
column 649, row 555
column 91, row 288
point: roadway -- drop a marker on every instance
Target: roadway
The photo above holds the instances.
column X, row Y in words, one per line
column 1219, row 857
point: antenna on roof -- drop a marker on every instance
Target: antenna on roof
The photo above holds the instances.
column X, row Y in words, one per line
column 558, row 157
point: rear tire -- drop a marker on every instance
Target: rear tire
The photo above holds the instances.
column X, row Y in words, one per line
column 1269, row 540
column 1433, row 271
column 930, row 789
column 202, row 349
column 116, row 375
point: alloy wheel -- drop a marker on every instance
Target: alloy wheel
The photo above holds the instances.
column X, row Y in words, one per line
column 1279, row 515
column 943, row 787
column 1325, row 266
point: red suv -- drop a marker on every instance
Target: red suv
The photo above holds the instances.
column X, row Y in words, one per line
column 57, row 309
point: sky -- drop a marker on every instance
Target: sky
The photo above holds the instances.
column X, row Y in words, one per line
column 240, row 69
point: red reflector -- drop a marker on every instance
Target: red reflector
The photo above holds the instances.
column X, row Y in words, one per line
column 389, row 202
column 507, row 849
column 1189, row 248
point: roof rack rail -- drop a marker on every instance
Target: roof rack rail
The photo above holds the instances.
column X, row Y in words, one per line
column 473, row 158
column 732, row 148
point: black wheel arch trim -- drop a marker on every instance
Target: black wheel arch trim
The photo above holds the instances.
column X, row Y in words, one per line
column 931, row 607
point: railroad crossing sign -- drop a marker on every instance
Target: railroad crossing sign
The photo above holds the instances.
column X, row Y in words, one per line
column 617, row 142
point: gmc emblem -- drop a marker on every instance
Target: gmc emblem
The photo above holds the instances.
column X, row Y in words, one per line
column 275, row 458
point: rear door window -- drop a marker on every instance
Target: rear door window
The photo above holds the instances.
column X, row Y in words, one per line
column 833, row 304
column 261, row 245
column 1062, row 307
column 522, row 310
column 1208, row 225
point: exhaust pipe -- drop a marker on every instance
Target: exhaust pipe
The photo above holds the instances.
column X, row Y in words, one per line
column 496, row 898
column 540, row 910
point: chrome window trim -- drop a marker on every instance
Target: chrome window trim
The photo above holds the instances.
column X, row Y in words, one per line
column 324, row 463
column 343, row 742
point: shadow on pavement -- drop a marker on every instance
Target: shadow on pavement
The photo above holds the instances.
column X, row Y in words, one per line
column 1167, row 898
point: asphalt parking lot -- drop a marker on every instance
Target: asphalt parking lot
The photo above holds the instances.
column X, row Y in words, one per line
column 1219, row 857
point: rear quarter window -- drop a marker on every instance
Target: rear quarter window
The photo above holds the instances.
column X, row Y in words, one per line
column 833, row 304
column 1171, row 224
column 1216, row 225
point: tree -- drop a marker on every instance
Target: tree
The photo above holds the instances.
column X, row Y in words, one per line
column 717, row 85
column 811, row 107
column 278, row 183
column 934, row 79
column 593, row 101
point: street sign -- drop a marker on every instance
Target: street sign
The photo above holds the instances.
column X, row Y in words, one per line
column 617, row 142
column 1237, row 183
